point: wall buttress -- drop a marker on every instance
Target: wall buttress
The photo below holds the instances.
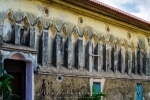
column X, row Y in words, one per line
column 141, row 62
column 80, row 54
column 45, row 48
column 17, row 34
column 101, row 54
column 115, row 58
column 136, row 61
column 122, row 59
column 129, row 61
column 32, row 37
column 89, row 62
column 107, row 56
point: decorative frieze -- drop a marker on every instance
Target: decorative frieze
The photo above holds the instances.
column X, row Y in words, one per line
column 61, row 49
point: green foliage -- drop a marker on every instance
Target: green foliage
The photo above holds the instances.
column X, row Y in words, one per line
column 95, row 96
column 5, row 86
column 10, row 96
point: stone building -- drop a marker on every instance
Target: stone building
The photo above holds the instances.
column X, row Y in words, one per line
column 59, row 49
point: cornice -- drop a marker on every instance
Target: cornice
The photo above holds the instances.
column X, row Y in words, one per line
column 11, row 47
column 82, row 9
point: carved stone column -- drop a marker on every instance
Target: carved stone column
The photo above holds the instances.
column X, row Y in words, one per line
column 122, row 58
column 73, row 49
column 80, row 54
column 70, row 53
column 115, row 58
column 52, row 32
column 88, row 59
column 148, row 65
column 59, row 49
column 32, row 37
column 17, row 34
column 136, row 60
column 45, row 48
column 101, row 54
column 99, row 58
column 141, row 62
column 108, row 56
column 129, row 61
column 85, row 42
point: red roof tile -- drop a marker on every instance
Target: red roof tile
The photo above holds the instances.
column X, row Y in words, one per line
column 120, row 11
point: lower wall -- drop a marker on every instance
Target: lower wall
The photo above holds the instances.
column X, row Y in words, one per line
column 74, row 88
column 124, row 89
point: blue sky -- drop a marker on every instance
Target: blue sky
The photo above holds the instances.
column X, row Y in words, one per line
column 139, row 8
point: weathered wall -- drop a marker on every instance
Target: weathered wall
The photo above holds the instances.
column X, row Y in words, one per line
column 71, row 88
column 115, row 89
column 124, row 89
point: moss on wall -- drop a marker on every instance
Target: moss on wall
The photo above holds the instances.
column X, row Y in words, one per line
column 71, row 88
column 124, row 89
column 74, row 88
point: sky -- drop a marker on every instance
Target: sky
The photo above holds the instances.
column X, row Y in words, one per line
column 139, row 8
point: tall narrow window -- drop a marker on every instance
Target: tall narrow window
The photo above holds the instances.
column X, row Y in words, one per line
column 138, row 61
column 144, row 62
column 126, row 61
column 104, row 57
column 119, row 60
column 66, row 54
column 76, row 54
column 112, row 58
column 133, row 61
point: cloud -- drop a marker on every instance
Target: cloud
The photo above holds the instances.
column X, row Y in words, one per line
column 139, row 8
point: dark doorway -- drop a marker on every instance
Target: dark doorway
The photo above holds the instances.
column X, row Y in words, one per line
column 17, row 69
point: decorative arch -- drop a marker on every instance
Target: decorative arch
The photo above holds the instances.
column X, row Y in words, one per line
column 30, row 64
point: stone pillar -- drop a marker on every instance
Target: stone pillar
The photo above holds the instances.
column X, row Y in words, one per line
column 80, row 54
column 32, row 37
column 108, row 56
column 88, row 59
column 45, row 48
column 122, row 59
column 141, row 62
column 136, row 60
column 148, row 65
column 129, row 61
column 99, row 58
column 70, row 52
column 59, row 50
column 101, row 54
column 17, row 34
column 115, row 58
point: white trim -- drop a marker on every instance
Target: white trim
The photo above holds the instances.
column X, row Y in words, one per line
column 102, row 81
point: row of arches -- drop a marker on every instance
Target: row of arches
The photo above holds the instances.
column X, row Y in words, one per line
column 60, row 48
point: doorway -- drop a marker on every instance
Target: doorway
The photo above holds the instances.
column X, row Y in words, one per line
column 17, row 69
column 139, row 93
